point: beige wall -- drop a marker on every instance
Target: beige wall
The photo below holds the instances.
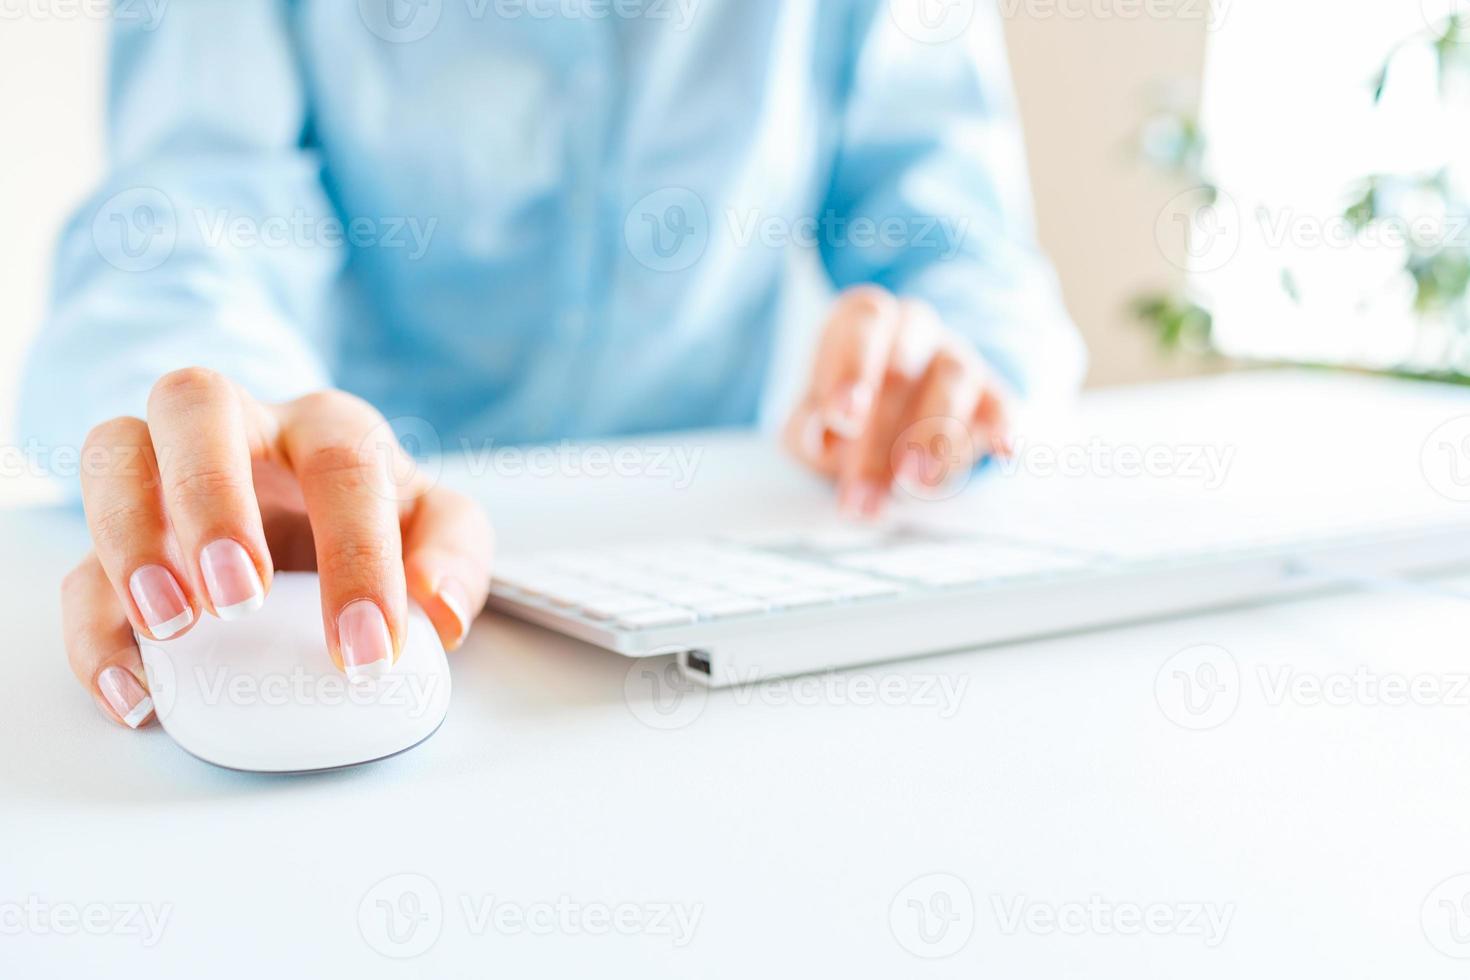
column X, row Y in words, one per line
column 1083, row 85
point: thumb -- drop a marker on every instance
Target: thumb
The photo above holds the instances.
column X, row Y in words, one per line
column 447, row 547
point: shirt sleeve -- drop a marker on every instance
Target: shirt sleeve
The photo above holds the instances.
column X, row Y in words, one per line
column 930, row 196
column 209, row 242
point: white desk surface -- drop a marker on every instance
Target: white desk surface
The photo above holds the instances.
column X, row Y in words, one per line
column 791, row 820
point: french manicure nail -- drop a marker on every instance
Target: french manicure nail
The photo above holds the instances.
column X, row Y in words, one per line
column 231, row 578
column 457, row 601
column 125, row 695
column 367, row 648
column 911, row 469
column 860, row 498
column 849, row 409
column 160, row 601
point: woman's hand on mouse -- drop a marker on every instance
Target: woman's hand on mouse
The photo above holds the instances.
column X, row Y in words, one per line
column 895, row 396
column 197, row 505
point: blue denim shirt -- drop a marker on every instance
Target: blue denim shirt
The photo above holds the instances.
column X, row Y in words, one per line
column 535, row 219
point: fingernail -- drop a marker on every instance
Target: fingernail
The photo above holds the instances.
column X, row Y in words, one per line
column 814, row 437
column 367, row 648
column 231, row 579
column 125, row 695
column 860, row 498
column 457, row 601
column 911, row 468
column 160, row 601
column 849, row 408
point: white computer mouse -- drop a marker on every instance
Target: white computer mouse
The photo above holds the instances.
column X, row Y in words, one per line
column 262, row 694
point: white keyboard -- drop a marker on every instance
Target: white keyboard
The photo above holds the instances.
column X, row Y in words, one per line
column 738, row 609
column 687, row 582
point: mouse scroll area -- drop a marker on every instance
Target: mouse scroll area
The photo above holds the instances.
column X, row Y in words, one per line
column 261, row 694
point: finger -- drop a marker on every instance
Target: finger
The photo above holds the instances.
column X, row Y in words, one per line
column 202, row 435
column 993, row 424
column 852, row 357
column 448, row 546
column 936, row 437
column 808, row 437
column 863, row 483
column 343, row 453
column 865, row 474
column 135, row 549
column 100, row 646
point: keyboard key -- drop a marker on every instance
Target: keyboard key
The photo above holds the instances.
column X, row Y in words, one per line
column 946, row 577
column 798, row 600
column 869, row 589
column 726, row 608
column 759, row 588
column 657, row 616
column 612, row 608
column 693, row 596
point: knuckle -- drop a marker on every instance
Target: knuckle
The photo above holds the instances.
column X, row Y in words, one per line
column 204, row 484
column 113, row 448
column 344, row 465
column 331, row 401
column 187, row 385
column 868, row 300
column 948, row 366
column 864, row 312
column 114, row 528
column 122, row 430
column 358, row 557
